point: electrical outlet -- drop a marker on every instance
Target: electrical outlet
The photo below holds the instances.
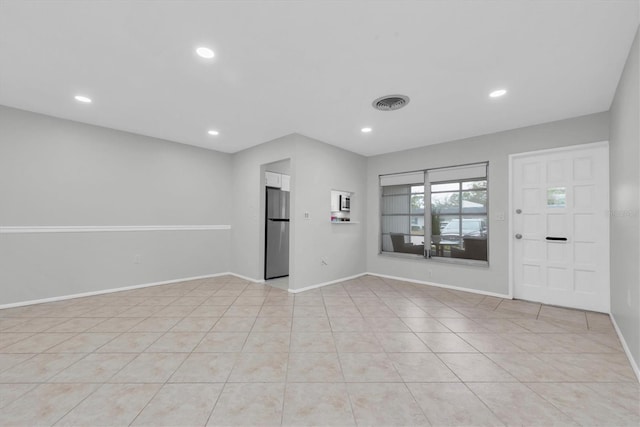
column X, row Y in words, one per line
column 323, row 262
column 499, row 216
column 307, row 215
column 137, row 259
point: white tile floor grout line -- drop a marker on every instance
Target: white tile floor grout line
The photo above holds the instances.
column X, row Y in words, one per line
column 493, row 327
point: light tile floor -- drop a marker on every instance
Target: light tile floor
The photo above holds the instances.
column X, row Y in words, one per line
column 369, row 351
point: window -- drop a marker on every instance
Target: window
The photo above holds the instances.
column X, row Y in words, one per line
column 459, row 219
column 455, row 217
column 403, row 214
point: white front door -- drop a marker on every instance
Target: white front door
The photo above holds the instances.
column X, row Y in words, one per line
column 560, row 226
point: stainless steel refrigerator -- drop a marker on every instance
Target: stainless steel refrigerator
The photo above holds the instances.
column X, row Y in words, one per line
column 276, row 262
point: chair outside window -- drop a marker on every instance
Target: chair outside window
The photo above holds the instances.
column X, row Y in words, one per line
column 400, row 244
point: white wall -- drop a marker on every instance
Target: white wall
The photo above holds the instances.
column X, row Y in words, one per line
column 320, row 168
column 625, row 203
column 57, row 172
column 315, row 169
column 283, row 166
column 494, row 148
column 247, row 234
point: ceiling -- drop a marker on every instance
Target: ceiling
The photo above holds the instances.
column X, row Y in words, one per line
column 313, row 67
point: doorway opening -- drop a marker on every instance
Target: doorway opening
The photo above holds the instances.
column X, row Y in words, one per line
column 276, row 213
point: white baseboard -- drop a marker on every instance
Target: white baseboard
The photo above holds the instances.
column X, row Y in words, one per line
column 320, row 285
column 293, row 291
column 240, row 276
column 108, row 291
column 632, row 362
column 440, row 285
column 307, row 288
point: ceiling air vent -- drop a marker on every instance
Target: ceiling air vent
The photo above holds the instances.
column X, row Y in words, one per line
column 390, row 102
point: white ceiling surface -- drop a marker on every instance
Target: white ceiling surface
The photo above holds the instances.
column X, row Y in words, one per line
column 313, row 67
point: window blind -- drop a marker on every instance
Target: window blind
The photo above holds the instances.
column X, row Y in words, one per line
column 402, row 179
column 458, row 173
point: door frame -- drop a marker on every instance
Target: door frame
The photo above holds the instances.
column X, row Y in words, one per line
column 512, row 158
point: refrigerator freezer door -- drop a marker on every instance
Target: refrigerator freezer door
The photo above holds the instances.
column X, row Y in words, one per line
column 277, row 249
column 277, row 204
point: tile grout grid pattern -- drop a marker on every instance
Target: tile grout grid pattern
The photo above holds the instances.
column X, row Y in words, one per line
column 369, row 351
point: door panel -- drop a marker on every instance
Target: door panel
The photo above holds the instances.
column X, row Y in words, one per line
column 557, row 253
column 562, row 194
column 556, row 225
column 531, row 276
column 583, row 169
column 558, row 278
column 583, row 197
column 584, row 253
column 585, row 281
column 556, row 170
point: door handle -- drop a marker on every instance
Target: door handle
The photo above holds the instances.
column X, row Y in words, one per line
column 556, row 239
column 518, row 236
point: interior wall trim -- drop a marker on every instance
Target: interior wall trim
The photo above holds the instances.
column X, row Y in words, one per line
column 320, row 285
column 440, row 285
column 108, row 291
column 403, row 279
column 250, row 279
column 632, row 362
column 106, row 228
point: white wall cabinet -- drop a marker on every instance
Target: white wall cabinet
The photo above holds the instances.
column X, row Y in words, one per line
column 286, row 182
column 272, row 179
column 277, row 180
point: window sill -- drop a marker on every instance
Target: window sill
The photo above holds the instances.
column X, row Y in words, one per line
column 443, row 260
column 460, row 261
column 401, row 255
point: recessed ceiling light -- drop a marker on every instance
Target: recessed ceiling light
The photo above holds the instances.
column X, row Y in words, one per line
column 213, row 132
column 81, row 98
column 498, row 93
column 366, row 130
column 205, row 52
